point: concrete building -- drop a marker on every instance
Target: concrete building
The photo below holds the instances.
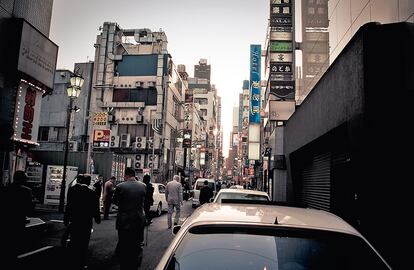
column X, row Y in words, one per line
column 24, row 27
column 205, row 94
column 52, row 127
column 136, row 84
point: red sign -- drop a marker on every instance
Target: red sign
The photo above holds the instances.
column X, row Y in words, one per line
column 101, row 138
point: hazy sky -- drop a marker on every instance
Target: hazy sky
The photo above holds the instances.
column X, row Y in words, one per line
column 219, row 30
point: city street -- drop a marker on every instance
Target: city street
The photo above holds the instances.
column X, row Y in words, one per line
column 102, row 244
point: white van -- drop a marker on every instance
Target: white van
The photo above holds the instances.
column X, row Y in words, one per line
column 199, row 183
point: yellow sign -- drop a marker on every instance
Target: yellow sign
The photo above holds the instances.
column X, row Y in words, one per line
column 100, row 118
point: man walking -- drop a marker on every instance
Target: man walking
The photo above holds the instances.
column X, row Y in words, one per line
column 81, row 209
column 206, row 193
column 107, row 196
column 174, row 198
column 149, row 200
column 129, row 197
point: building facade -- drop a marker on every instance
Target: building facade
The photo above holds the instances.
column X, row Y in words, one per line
column 140, row 94
column 27, row 65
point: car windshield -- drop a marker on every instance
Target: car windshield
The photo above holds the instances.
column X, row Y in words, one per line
column 272, row 249
column 240, row 196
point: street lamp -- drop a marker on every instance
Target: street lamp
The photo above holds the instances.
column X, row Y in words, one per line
column 73, row 91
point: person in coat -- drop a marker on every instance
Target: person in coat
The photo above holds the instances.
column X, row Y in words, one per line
column 129, row 196
column 206, row 193
column 81, row 209
column 149, row 200
column 174, row 198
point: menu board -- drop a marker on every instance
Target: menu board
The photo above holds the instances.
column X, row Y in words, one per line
column 54, row 176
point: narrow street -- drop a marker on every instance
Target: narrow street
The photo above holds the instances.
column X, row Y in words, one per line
column 103, row 242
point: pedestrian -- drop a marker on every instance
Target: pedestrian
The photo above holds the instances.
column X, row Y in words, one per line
column 16, row 201
column 174, row 198
column 129, row 196
column 81, row 209
column 108, row 192
column 205, row 193
column 97, row 186
column 149, row 200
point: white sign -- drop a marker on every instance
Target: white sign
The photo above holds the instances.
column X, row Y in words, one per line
column 27, row 113
column 280, row 57
column 37, row 55
column 281, row 110
column 54, row 176
column 281, row 36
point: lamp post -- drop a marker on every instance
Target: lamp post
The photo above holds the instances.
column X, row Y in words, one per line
column 73, row 91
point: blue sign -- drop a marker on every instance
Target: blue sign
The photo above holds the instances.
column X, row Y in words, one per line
column 255, row 54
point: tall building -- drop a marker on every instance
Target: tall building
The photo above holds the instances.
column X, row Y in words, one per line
column 202, row 70
column 24, row 27
column 205, row 94
column 137, row 86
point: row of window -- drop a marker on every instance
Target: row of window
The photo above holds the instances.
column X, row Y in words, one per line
column 148, row 96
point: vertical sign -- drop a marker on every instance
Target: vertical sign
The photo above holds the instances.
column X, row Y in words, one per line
column 255, row 53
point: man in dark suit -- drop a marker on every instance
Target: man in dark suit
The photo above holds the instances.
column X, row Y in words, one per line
column 149, row 200
column 129, row 196
column 205, row 193
column 82, row 207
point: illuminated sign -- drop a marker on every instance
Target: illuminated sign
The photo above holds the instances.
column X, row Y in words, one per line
column 255, row 77
column 100, row 118
column 275, row 35
column 27, row 113
column 283, row 89
column 280, row 68
column 281, row 57
column 101, row 138
column 281, row 46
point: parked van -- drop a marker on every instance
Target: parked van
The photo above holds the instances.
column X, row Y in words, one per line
column 198, row 185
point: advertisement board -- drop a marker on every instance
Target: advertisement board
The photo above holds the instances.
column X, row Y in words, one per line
column 283, row 89
column 255, row 70
column 37, row 55
column 54, row 176
column 99, row 119
column 27, row 113
column 101, row 138
column 281, row 110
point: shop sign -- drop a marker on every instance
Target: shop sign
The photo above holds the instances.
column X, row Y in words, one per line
column 100, row 118
column 101, row 138
column 27, row 113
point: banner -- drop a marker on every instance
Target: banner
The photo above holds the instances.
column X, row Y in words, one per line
column 255, row 66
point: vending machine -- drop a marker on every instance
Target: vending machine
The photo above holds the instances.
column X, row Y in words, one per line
column 54, row 176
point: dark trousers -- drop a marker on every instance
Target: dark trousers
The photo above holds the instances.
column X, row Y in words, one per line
column 128, row 249
column 106, row 207
column 78, row 246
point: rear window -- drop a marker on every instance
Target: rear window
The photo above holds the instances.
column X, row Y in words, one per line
column 272, row 249
column 240, row 196
column 199, row 185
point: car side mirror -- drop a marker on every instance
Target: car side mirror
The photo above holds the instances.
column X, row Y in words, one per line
column 175, row 229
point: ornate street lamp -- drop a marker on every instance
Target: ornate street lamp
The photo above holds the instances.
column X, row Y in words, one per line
column 76, row 82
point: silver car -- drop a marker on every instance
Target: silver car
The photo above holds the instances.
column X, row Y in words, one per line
column 267, row 237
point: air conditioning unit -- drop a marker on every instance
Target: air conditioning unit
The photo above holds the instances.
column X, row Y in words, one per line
column 138, row 84
column 154, row 142
column 73, row 146
column 141, row 142
column 114, row 141
column 139, row 161
column 125, row 140
column 152, row 161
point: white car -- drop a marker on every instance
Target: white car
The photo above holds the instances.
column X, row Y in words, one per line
column 258, row 236
column 242, row 194
column 199, row 183
column 160, row 204
column 236, row 187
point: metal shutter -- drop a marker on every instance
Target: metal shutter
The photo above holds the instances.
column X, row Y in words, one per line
column 316, row 189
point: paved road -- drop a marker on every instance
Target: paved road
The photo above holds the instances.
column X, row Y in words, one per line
column 104, row 239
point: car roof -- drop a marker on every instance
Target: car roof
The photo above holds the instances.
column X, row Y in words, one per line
column 295, row 217
column 204, row 179
column 244, row 191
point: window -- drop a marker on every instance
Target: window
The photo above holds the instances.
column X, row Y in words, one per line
column 61, row 134
column 43, row 134
column 133, row 130
column 148, row 96
column 243, row 248
column 161, row 189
